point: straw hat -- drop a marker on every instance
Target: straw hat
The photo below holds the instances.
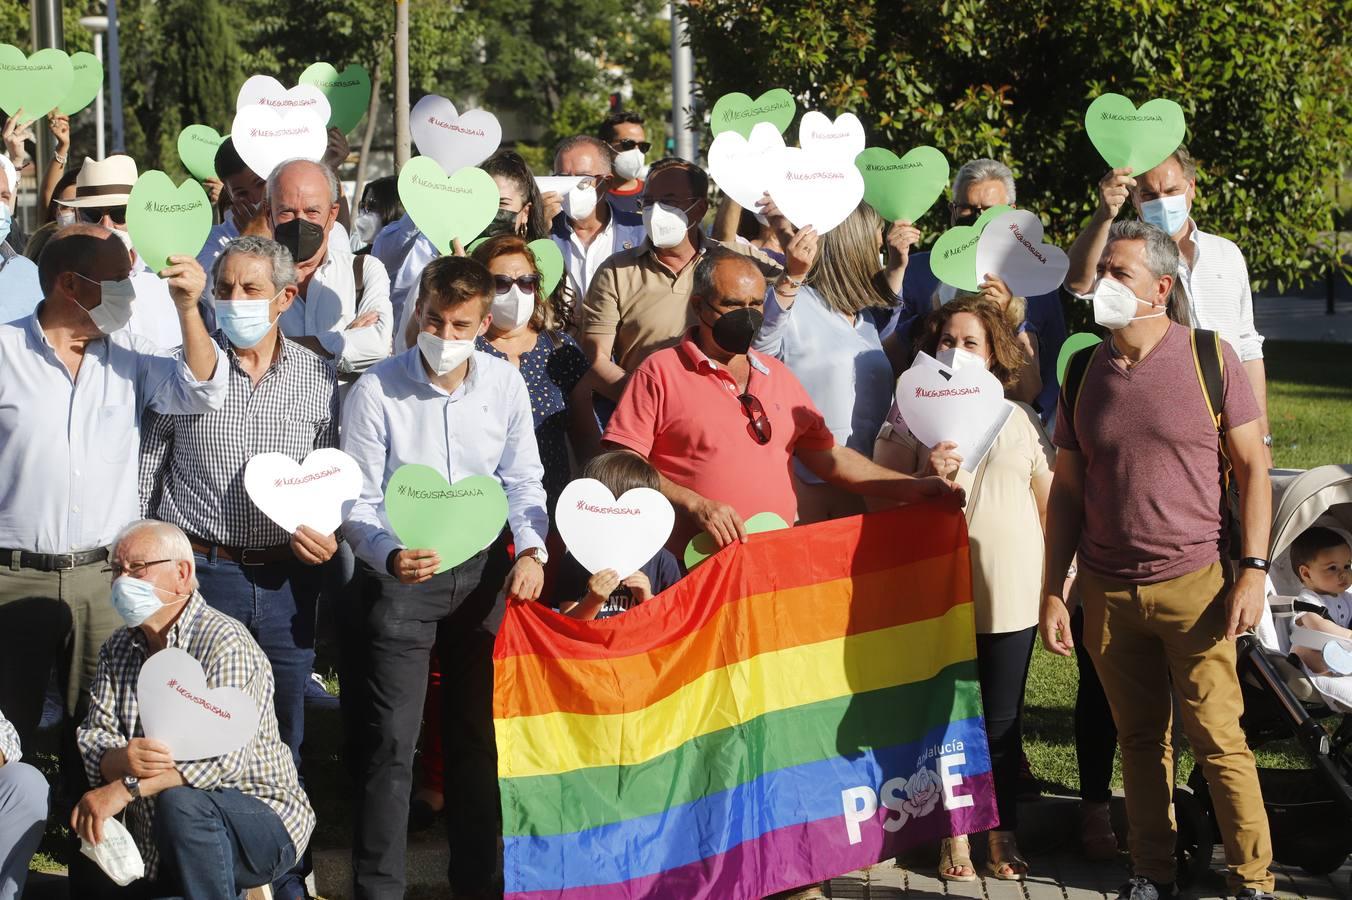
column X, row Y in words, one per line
column 104, row 182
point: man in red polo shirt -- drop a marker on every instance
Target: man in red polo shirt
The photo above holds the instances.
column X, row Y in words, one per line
column 721, row 424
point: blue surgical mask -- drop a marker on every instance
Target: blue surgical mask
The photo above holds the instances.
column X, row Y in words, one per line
column 245, row 322
column 6, row 220
column 136, row 600
column 1166, row 213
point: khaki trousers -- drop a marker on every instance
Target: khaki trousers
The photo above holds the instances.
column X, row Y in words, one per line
column 1140, row 638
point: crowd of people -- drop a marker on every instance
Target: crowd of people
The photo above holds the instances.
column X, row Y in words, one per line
column 742, row 369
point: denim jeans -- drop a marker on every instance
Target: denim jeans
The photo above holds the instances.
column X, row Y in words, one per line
column 276, row 602
column 216, row 844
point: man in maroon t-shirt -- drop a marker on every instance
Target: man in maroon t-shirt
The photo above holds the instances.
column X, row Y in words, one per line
column 1137, row 494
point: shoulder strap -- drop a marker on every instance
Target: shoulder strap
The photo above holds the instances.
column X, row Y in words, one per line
column 1076, row 368
column 359, row 280
column 1210, row 364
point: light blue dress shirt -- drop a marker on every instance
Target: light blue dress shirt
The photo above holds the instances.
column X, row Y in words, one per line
column 20, row 292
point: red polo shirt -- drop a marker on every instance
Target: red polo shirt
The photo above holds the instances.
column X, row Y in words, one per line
column 680, row 410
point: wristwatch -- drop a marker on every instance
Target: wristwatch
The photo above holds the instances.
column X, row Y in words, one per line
column 1255, row 562
column 539, row 554
column 133, row 786
column 1267, row 440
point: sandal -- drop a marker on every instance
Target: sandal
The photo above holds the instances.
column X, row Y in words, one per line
column 956, row 853
column 1004, row 861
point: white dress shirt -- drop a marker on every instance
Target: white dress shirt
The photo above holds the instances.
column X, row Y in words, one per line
column 404, row 292
column 394, row 415
column 20, row 290
column 330, row 303
column 393, row 242
column 580, row 262
column 1219, row 296
column 69, row 449
column 153, row 314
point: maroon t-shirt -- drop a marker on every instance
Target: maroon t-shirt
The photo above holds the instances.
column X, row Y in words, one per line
column 1152, row 480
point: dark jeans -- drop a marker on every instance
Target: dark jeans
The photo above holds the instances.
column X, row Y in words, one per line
column 1002, row 665
column 213, row 845
column 276, row 602
column 389, row 630
column 1095, row 733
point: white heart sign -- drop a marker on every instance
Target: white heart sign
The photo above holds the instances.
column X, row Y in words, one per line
column 455, row 140
column 318, row 492
column 263, row 137
column 843, row 137
column 264, row 90
column 739, row 166
column 604, row 533
column 814, row 188
column 966, row 406
column 195, row 721
column 1011, row 247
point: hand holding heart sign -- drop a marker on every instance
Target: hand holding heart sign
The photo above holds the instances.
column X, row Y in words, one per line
column 447, row 208
column 164, row 220
column 178, row 709
column 603, row 532
column 455, row 520
column 317, row 493
column 197, row 146
column 1011, row 247
column 702, row 546
column 953, row 259
column 33, row 86
column 740, row 166
column 966, row 406
column 902, row 190
column 814, row 188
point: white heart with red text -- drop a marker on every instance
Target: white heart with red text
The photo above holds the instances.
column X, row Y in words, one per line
column 814, row 188
column 453, row 139
column 318, row 492
column 843, row 137
column 264, row 90
column 605, row 533
column 264, row 137
column 740, row 166
column 1011, row 247
column 966, row 406
column 195, row 721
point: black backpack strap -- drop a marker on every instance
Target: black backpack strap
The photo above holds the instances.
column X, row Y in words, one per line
column 358, row 279
column 1210, row 362
column 1076, row 368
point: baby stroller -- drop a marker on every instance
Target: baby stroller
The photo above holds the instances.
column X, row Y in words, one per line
column 1309, row 809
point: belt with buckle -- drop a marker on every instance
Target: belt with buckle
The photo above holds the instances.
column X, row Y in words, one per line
column 52, row 562
column 244, row 556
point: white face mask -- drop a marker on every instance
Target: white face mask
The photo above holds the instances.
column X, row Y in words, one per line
column 114, row 309
column 443, row 356
column 579, row 203
column 65, row 216
column 629, row 163
column 513, row 309
column 956, row 358
column 364, row 229
column 1115, row 305
column 666, row 225
column 125, row 238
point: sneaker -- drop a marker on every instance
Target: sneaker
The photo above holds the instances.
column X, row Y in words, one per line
column 1253, row 894
column 317, row 695
column 1140, row 888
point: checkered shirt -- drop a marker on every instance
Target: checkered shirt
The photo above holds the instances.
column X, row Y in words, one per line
column 230, row 658
column 9, row 741
column 192, row 467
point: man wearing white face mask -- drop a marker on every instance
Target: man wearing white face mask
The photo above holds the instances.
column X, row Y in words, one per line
column 588, row 229
column 218, row 825
column 19, row 287
column 1137, row 494
column 1211, row 269
column 624, row 133
column 462, row 413
column 75, row 389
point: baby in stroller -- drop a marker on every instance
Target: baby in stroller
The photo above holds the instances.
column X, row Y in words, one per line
column 1320, row 635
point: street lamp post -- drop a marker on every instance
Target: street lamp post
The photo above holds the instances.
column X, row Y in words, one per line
column 97, row 26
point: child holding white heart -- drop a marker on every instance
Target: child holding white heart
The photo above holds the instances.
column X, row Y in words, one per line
column 1322, row 560
column 604, row 593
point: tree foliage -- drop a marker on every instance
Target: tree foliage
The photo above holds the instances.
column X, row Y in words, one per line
column 1264, row 85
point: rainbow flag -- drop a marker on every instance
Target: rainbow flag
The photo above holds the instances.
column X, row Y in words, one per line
column 796, row 708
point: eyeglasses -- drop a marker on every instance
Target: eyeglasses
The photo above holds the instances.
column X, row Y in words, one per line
column 526, row 282
column 644, row 203
column 969, row 209
column 759, row 423
column 627, row 144
column 584, row 181
column 94, row 214
column 116, row 569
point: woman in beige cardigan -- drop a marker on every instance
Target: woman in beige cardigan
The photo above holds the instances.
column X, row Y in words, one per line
column 1006, row 514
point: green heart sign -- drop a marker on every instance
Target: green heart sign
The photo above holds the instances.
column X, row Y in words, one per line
column 348, row 92
column 447, row 207
column 197, row 146
column 1075, row 343
column 36, row 84
column 1140, row 138
column 456, row 520
column 953, row 259
column 738, row 112
column 549, row 260
column 902, row 189
column 87, row 78
column 164, row 220
column 702, row 546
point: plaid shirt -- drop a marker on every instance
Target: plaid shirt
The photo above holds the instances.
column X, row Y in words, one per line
column 192, row 467
column 9, row 741
column 230, row 658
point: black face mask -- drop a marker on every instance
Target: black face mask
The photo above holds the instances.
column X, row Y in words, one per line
column 503, row 223
column 734, row 331
column 302, row 237
column 967, row 218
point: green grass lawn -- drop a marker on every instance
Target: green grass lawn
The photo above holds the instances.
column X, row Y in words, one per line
column 1310, row 411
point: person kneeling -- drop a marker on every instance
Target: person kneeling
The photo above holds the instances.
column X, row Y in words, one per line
column 215, row 826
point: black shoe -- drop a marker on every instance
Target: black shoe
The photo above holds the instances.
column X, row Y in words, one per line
column 1253, row 894
column 421, row 815
column 1140, row 888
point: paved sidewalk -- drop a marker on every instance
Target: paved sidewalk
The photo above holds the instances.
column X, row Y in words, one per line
column 1302, row 318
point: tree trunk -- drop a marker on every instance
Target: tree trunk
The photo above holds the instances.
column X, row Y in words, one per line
column 372, row 111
